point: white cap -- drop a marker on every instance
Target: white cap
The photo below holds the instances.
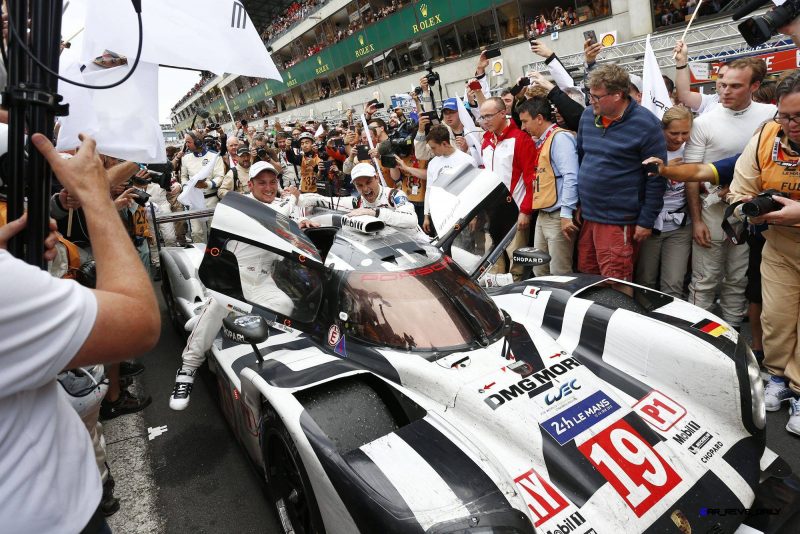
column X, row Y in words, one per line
column 637, row 82
column 363, row 170
column 261, row 166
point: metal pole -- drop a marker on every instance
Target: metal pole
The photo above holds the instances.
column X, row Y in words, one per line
column 46, row 36
column 17, row 73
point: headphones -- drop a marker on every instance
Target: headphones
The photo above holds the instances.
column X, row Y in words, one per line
column 198, row 142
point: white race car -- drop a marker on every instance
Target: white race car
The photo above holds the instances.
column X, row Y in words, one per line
column 382, row 390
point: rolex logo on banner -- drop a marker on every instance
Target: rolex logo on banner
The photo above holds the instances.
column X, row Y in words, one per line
column 426, row 22
column 364, row 49
column 423, row 8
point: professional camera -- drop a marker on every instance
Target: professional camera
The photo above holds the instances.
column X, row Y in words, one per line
column 432, row 77
column 402, row 140
column 213, row 126
column 763, row 203
column 141, row 197
column 261, row 153
column 758, row 30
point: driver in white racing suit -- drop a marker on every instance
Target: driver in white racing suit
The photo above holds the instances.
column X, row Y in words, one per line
column 255, row 271
column 389, row 205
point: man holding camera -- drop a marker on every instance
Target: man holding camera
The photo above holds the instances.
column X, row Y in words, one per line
column 769, row 163
column 309, row 165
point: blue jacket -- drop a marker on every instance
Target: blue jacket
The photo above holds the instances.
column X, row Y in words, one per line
column 612, row 185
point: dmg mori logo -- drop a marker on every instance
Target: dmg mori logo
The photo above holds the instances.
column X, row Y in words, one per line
column 361, row 40
column 423, row 8
column 238, row 16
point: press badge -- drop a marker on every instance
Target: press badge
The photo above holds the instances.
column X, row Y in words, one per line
column 414, row 189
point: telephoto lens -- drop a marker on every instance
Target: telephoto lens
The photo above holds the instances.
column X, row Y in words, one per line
column 762, row 204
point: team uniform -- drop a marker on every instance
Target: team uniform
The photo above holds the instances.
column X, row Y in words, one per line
column 391, row 205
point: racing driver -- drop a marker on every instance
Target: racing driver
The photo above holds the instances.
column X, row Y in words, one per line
column 389, row 205
column 264, row 188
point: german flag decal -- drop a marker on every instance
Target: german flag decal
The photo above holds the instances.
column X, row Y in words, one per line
column 710, row 327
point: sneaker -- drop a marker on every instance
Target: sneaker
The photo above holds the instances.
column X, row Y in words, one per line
column 109, row 504
column 184, row 381
column 793, row 425
column 776, row 393
column 130, row 369
column 125, row 404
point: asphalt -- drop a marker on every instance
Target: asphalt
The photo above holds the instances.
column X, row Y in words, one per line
column 201, row 480
column 184, row 471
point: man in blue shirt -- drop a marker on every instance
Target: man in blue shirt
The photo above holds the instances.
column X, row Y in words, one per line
column 555, row 186
column 619, row 202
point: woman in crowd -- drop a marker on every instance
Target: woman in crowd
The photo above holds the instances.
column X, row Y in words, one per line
column 666, row 253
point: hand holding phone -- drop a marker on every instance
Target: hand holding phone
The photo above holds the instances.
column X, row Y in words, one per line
column 475, row 85
column 494, row 52
column 590, row 36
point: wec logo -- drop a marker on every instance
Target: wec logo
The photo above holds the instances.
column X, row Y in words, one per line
column 566, row 389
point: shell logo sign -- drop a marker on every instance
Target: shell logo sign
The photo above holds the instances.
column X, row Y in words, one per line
column 608, row 39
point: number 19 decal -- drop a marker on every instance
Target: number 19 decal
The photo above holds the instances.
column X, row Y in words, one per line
column 632, row 467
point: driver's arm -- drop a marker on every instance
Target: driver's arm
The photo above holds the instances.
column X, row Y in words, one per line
column 403, row 214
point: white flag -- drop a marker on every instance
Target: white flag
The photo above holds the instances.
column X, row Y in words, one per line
column 213, row 35
column 123, row 120
column 655, row 96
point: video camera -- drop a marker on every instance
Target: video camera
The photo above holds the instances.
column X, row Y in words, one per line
column 758, row 30
column 432, row 78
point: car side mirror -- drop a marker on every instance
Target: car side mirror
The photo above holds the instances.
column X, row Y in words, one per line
column 246, row 329
column 529, row 256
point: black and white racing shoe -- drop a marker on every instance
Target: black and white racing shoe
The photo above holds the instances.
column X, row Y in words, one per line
column 184, row 381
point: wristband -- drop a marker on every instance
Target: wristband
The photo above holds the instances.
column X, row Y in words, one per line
column 681, row 67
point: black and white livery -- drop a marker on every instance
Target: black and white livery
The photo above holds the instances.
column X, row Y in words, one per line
column 391, row 393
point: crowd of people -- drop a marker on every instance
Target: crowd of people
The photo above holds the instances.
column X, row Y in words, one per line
column 561, row 18
column 296, row 12
column 599, row 182
column 669, row 12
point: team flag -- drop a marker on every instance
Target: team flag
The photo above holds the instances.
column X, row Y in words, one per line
column 710, row 327
column 655, row 96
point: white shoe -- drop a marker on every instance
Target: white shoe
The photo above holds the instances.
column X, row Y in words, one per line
column 776, row 393
column 793, row 425
column 184, row 381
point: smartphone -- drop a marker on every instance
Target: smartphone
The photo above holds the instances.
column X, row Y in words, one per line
column 475, row 85
column 532, row 41
column 362, row 152
column 524, row 81
column 388, row 161
column 591, row 36
column 494, row 52
column 379, row 105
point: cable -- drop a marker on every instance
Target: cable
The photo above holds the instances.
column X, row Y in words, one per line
column 13, row 31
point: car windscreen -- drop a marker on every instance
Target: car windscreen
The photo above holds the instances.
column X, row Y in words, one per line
column 434, row 307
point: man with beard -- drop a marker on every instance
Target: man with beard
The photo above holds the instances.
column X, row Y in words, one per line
column 238, row 177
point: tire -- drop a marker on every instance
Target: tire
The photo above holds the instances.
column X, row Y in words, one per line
column 288, row 486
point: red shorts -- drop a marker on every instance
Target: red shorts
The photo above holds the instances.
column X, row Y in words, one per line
column 607, row 250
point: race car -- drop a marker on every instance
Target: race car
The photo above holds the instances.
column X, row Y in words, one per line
column 382, row 389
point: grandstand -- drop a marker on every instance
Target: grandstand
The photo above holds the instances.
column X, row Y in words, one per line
column 334, row 54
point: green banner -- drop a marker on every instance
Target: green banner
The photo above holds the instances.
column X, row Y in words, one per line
column 405, row 25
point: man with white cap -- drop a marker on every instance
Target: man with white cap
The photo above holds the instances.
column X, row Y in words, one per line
column 255, row 268
column 389, row 205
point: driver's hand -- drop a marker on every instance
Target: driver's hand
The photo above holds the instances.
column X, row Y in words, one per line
column 305, row 223
column 361, row 211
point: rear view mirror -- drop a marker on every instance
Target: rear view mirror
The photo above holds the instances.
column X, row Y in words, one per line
column 529, row 256
column 246, row 329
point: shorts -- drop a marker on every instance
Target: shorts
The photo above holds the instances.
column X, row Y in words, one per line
column 607, row 250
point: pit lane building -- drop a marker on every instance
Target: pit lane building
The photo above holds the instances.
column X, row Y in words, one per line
column 326, row 70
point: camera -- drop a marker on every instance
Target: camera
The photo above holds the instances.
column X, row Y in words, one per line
column 261, row 153
column 432, row 77
column 758, row 30
column 213, row 126
column 763, row 204
column 141, row 197
column 402, row 140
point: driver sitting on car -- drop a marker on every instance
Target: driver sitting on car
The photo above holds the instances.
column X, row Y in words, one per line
column 389, row 205
column 255, row 268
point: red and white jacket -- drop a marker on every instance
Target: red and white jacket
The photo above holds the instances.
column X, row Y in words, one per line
column 512, row 156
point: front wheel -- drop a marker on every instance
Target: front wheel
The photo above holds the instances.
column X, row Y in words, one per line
column 288, row 486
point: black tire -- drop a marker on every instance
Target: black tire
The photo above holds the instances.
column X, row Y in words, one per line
column 172, row 309
column 288, row 486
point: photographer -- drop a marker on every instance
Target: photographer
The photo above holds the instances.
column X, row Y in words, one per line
column 289, row 158
column 238, row 177
column 769, row 164
column 309, row 165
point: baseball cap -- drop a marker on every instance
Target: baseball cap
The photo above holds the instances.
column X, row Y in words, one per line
column 242, row 151
column 451, row 104
column 261, row 166
column 361, row 170
column 637, row 82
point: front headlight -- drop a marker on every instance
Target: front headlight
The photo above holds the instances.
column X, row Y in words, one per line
column 754, row 413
